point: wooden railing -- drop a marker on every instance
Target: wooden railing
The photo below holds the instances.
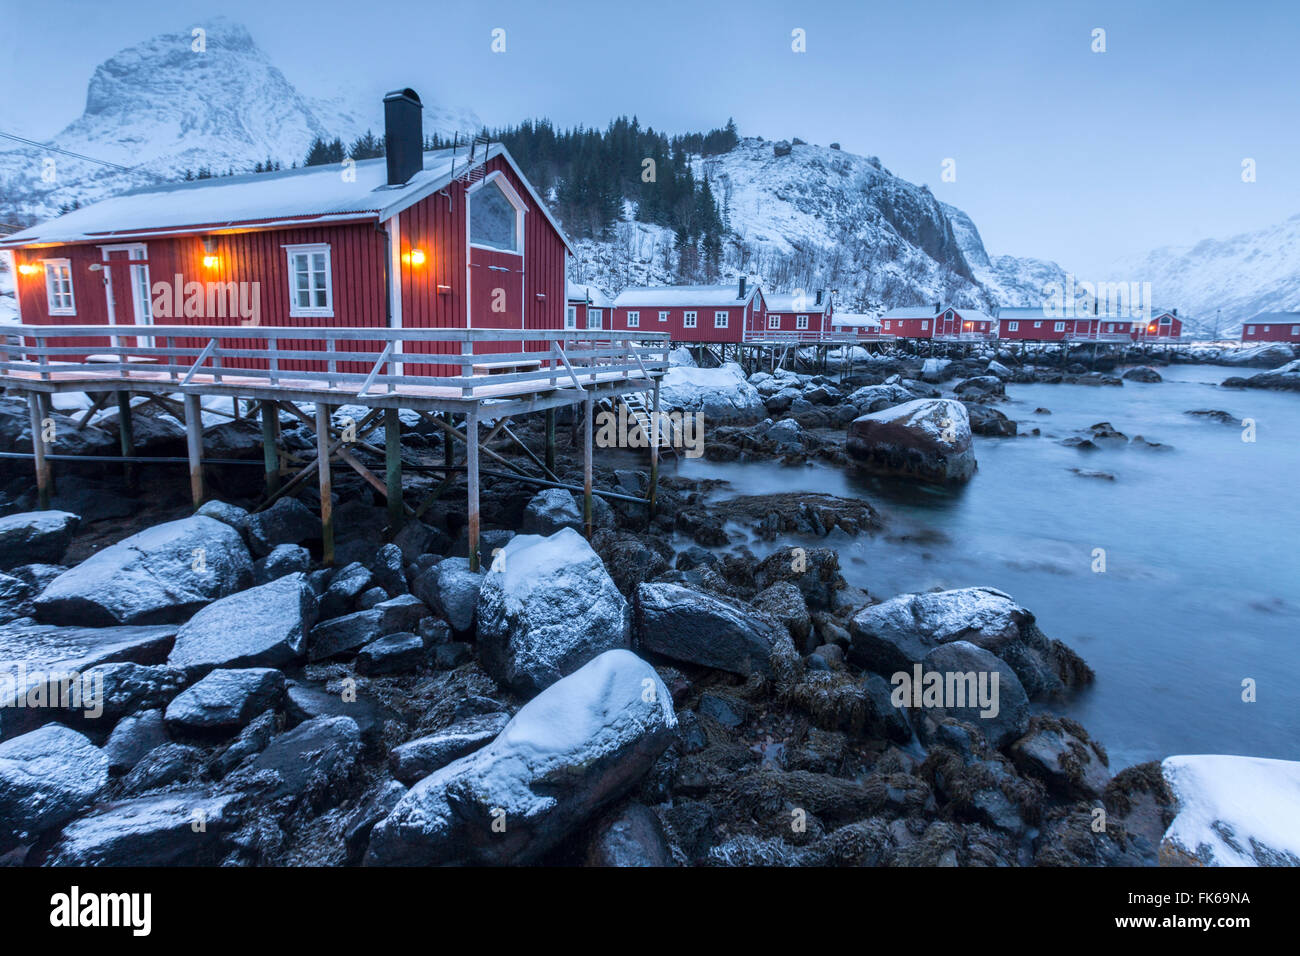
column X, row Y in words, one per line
column 814, row 337
column 373, row 358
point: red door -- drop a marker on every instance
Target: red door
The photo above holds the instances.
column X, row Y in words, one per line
column 128, row 292
column 496, row 296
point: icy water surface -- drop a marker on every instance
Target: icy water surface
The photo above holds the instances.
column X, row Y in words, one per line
column 1202, row 582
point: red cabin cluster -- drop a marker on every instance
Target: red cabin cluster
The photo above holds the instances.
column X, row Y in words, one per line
column 1272, row 327
column 950, row 324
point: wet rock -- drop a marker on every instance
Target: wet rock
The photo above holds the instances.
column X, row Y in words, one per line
column 729, row 711
column 785, row 602
column 391, row 654
column 165, row 764
column 630, row 836
column 344, row 588
column 416, row 538
column 376, row 805
column 578, row 746
column 232, row 515
column 451, row 590
column 251, row 740
column 351, row 632
column 307, row 765
column 288, row 521
column 1143, row 373
column 389, row 571
column 968, row 691
column 1087, row 473
column 632, row 559
column 224, row 701
column 873, row 398
column 284, row 559
column 132, row 738
column 550, row 510
column 690, row 625
column 264, row 626
column 162, row 574
column 814, row 571
column 989, row 421
column 416, row 759
column 126, row 687
column 547, row 607
column 928, row 439
column 452, row 655
column 149, row 831
column 898, row 633
column 35, row 537
column 1216, row 415
column 47, row 777
column 1059, row 752
column 304, row 702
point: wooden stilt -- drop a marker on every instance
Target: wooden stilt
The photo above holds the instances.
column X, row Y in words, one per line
column 471, row 475
column 550, row 440
column 448, row 449
column 393, row 461
column 326, row 485
column 194, row 444
column 654, row 449
column 38, row 452
column 588, row 409
column 126, row 436
column 270, row 453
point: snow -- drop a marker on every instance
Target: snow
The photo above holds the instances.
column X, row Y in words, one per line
column 785, row 302
column 683, row 296
column 1235, row 811
column 855, row 320
column 911, row 312
column 578, row 292
column 721, row 393
column 930, row 416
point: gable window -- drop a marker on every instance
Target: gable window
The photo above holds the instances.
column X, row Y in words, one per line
column 801, row 322
column 571, row 317
column 773, row 321
column 689, row 320
column 1058, row 327
column 496, row 216
column 310, row 288
column 1012, row 326
column 663, row 316
column 634, row 320
column 58, row 287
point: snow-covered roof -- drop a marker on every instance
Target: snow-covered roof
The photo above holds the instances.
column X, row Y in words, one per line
column 855, row 320
column 911, row 312
column 972, row 315
column 1027, row 312
column 1281, row 318
column 678, row 296
column 290, row 197
column 784, row 302
column 579, row 292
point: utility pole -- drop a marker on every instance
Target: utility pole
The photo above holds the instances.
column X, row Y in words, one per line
column 1217, row 312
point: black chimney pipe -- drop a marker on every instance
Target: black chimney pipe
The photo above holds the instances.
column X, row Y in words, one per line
column 403, row 135
column 819, row 297
column 741, row 294
column 937, row 308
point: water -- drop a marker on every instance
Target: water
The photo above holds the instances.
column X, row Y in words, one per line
column 1201, row 587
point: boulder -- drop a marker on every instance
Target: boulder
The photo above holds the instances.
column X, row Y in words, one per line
column 722, row 394
column 283, row 559
column 305, row 702
column 303, row 766
column 391, row 654
column 224, row 701
column 389, row 570
column 550, row 510
column 784, row 602
column 125, row 687
column 927, row 439
column 347, row 584
column 873, row 398
column 351, row 632
column 132, row 738
column 1142, row 373
column 35, row 537
column 451, row 589
column 1059, row 752
column 546, row 608
column 578, row 746
column 264, row 626
column 416, row 759
column 900, row 632
column 162, row 574
column 633, row 558
column 690, row 625
column 977, row 687
column 288, row 521
column 988, row 421
column 1270, row 355
column 47, row 777
column 630, row 836
column 149, row 831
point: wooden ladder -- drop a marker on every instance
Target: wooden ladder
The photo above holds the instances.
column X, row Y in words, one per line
column 639, row 411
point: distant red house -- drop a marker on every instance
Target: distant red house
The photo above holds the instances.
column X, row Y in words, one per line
column 951, row 323
column 1161, row 328
column 587, row 307
column 1272, row 327
column 799, row 315
column 1032, row 324
column 690, row 313
column 413, row 240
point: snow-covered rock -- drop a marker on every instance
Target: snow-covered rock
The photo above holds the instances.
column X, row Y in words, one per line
column 546, row 608
column 576, row 747
column 47, row 777
column 872, row 398
column 265, row 626
column 1232, row 811
column 35, row 537
column 224, row 701
column 1267, row 355
column 927, row 439
column 932, row 369
column 416, row 759
column 148, row 831
column 722, row 394
column 162, row 574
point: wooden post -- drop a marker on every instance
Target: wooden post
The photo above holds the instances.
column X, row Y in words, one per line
column 655, row 431
column 326, row 486
column 270, row 455
column 393, row 460
column 589, row 408
column 194, row 443
column 126, row 435
column 550, row 440
column 448, row 449
column 38, row 452
column 471, row 475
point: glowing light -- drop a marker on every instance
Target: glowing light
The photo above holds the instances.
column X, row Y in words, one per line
column 416, row 257
column 29, row 269
column 211, row 262
column 1151, row 328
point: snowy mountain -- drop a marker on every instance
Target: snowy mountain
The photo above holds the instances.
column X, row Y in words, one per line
column 160, row 108
column 1242, row 275
column 1009, row 280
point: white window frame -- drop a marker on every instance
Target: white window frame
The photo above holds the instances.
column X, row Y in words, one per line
column 1058, row 327
column 663, row 316
column 801, row 322
column 634, row 319
column 721, row 318
column 887, row 321
column 925, row 324
column 1250, row 330
column 309, row 249
column 774, row 321
column 690, row 320
column 1268, row 328
column 515, row 199
column 52, row 266
column 571, row 317
column 1295, row 330
column 1013, row 326
column 1038, row 325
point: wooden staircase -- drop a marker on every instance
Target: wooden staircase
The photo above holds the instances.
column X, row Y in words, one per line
column 638, row 410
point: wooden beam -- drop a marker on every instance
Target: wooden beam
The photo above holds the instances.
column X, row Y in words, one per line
column 393, row 467
column 126, row 435
column 654, row 449
column 326, row 489
column 194, row 443
column 38, row 452
column 550, row 440
column 270, row 451
column 589, row 408
column 471, row 464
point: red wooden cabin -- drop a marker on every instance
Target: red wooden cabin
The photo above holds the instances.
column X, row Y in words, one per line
column 587, row 307
column 805, row 316
column 412, row 240
column 1032, row 324
column 1272, row 327
column 690, row 313
column 1161, row 327
column 953, row 323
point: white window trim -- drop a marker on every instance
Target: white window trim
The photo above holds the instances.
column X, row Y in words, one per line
column 925, row 324
column 521, row 208
column 1058, row 327
column 50, row 307
column 1295, row 330
column 1268, row 328
column 801, row 322
column 1013, row 326
column 690, row 320
column 571, row 317
column 773, row 321
column 1038, row 325
column 663, row 316
column 721, row 319
column 297, row 311
column 595, row 318
column 634, row 319
column 1250, row 330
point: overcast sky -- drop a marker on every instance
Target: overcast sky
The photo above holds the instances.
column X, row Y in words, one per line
column 1059, row 152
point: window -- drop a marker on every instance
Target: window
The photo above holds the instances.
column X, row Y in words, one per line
column 1058, row 327
column 596, row 318
column 773, row 321
column 1267, row 328
column 663, row 316
column 720, row 319
column 1250, row 330
column 310, row 289
column 886, row 323
column 634, row 320
column 925, row 324
column 801, row 322
column 689, row 320
column 1295, row 330
column 496, row 217
column 1013, row 326
column 1038, row 325
column 571, row 317
column 58, row 287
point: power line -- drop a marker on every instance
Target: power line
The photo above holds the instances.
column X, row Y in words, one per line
column 65, row 152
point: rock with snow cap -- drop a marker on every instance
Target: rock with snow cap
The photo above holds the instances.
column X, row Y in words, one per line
column 264, row 626
column 35, row 537
column 927, row 439
column 47, row 777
